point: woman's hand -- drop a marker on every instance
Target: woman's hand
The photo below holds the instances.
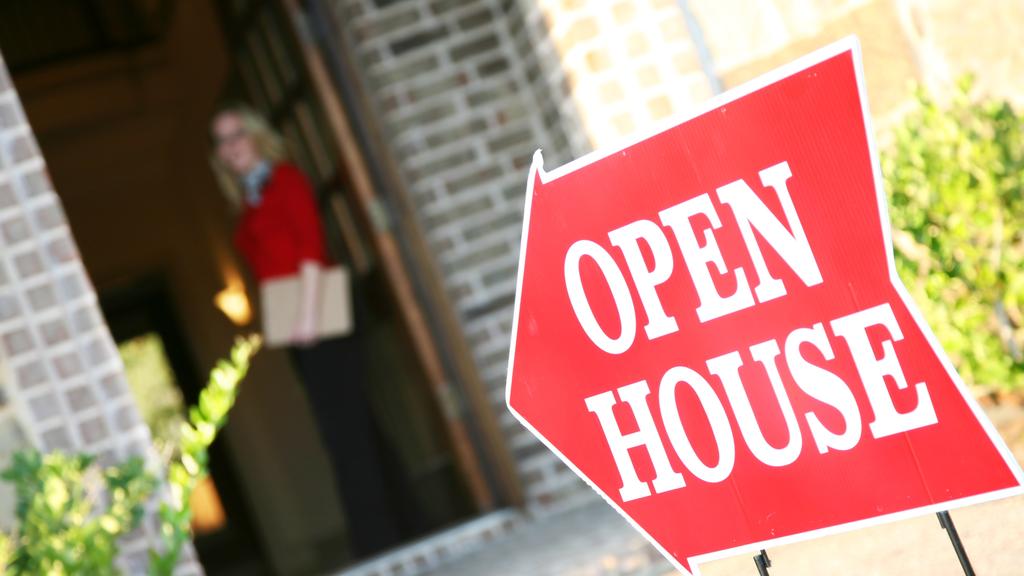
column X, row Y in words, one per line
column 304, row 333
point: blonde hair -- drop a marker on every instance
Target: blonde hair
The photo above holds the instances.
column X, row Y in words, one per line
column 269, row 143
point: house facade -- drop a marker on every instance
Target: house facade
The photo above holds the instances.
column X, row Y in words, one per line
column 416, row 121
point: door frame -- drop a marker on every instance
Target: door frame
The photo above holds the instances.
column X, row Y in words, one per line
column 401, row 248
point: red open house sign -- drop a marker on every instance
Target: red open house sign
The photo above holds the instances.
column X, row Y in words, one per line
column 709, row 329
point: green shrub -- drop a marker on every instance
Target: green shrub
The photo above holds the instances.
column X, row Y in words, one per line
column 954, row 176
column 70, row 513
column 60, row 531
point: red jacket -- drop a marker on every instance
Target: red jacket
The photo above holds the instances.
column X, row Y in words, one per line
column 284, row 229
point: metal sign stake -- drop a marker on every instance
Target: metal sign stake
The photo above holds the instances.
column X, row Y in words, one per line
column 763, row 563
column 946, row 521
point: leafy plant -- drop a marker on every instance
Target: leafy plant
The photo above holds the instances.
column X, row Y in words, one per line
column 955, row 175
column 204, row 422
column 71, row 513
column 60, row 530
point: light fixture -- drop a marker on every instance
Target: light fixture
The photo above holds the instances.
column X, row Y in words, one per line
column 234, row 303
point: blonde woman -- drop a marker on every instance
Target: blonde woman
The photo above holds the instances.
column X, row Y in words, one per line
column 279, row 234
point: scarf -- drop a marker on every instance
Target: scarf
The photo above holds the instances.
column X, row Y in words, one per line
column 254, row 181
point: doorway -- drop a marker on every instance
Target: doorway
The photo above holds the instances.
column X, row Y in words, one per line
column 164, row 381
column 434, row 482
column 123, row 126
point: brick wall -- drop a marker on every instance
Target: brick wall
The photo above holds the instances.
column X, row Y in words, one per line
column 466, row 90
column 548, row 81
column 13, row 436
column 628, row 63
column 463, row 92
column 631, row 63
column 59, row 367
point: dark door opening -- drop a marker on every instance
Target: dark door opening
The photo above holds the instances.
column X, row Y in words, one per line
column 164, row 382
column 269, row 73
column 123, row 126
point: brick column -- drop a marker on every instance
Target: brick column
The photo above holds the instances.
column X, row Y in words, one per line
column 61, row 375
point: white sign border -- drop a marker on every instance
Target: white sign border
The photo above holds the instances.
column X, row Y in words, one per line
column 849, row 44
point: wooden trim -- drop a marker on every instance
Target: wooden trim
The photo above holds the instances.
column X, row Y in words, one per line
column 349, row 234
column 446, row 326
column 446, row 323
column 391, row 261
column 494, row 440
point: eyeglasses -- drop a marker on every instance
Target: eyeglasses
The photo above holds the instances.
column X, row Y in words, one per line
column 230, row 138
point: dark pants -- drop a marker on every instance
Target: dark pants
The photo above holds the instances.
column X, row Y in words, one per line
column 333, row 373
